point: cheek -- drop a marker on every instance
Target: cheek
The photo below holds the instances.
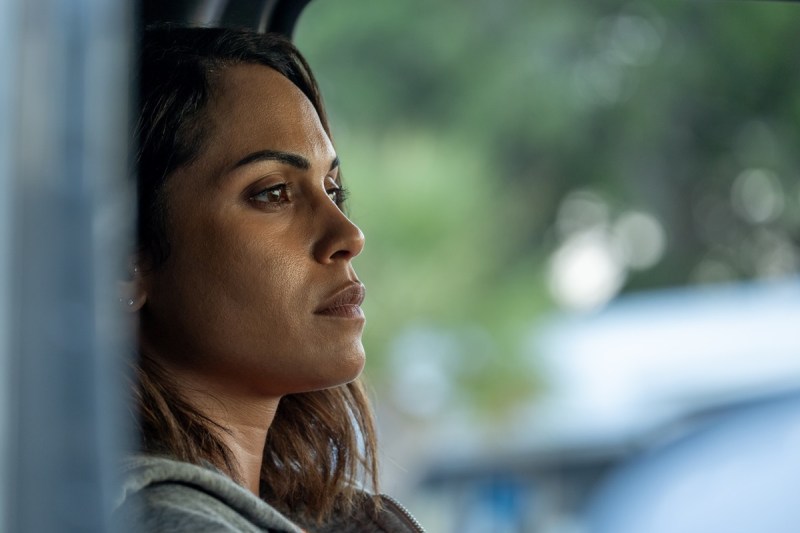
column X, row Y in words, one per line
column 247, row 279
column 230, row 294
column 260, row 286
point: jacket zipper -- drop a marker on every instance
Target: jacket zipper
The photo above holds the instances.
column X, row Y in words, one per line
column 404, row 513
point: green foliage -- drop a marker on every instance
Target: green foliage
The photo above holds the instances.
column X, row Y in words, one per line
column 463, row 125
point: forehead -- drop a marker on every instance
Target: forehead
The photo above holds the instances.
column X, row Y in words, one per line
column 256, row 108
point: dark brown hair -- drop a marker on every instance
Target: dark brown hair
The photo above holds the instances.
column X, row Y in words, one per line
column 320, row 444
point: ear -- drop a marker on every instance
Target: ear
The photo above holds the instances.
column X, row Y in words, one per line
column 132, row 292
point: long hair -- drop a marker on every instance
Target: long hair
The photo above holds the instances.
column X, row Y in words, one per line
column 321, row 444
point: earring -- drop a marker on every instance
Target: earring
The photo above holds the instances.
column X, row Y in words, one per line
column 131, row 302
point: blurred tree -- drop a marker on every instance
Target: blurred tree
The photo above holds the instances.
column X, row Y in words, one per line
column 503, row 152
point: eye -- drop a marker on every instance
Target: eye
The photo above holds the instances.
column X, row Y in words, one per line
column 337, row 194
column 274, row 196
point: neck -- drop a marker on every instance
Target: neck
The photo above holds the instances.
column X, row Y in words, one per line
column 246, row 437
column 246, row 420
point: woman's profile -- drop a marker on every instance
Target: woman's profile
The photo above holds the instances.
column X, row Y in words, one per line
column 250, row 413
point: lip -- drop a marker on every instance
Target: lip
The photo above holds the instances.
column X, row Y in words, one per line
column 344, row 303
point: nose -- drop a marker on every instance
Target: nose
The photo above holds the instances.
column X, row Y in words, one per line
column 340, row 238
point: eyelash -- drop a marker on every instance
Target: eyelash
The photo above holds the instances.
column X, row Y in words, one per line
column 337, row 194
column 340, row 195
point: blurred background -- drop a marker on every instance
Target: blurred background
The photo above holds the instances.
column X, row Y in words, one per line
column 582, row 223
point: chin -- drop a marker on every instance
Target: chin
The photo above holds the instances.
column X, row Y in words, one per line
column 350, row 367
column 356, row 366
column 346, row 369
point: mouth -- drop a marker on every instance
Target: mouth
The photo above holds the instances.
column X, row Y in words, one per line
column 344, row 303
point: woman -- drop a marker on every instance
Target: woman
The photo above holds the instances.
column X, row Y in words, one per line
column 250, row 413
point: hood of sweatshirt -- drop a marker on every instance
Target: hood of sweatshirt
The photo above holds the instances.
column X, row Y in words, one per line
column 160, row 494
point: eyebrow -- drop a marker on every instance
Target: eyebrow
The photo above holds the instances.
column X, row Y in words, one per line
column 295, row 160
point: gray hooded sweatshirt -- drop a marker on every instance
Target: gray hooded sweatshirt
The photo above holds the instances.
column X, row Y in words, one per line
column 163, row 495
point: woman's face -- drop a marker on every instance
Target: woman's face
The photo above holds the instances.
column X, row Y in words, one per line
column 258, row 292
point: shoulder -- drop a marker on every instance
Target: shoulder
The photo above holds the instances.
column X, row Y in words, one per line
column 173, row 507
column 161, row 494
